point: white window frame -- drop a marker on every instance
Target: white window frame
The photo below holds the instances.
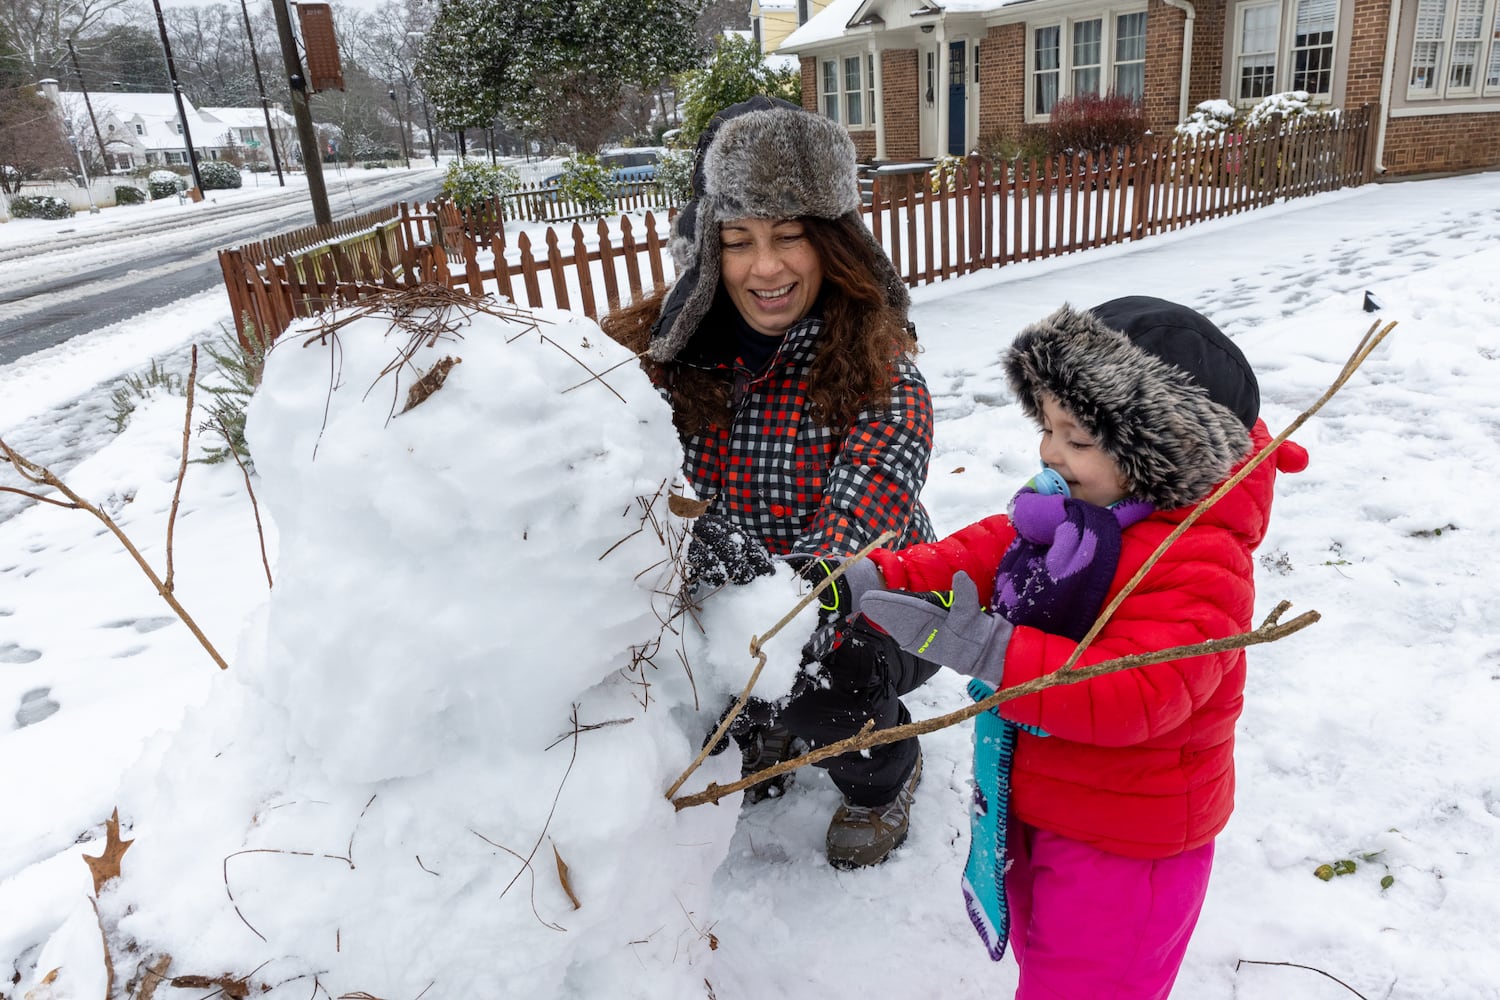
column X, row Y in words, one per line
column 1461, row 28
column 840, row 93
column 1109, row 21
column 1119, row 63
column 1284, row 69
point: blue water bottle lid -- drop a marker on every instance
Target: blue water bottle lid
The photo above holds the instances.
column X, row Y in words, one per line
column 1049, row 483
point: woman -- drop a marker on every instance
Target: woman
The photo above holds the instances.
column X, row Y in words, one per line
column 784, row 350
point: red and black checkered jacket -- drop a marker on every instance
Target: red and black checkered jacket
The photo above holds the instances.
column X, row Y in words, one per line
column 784, row 478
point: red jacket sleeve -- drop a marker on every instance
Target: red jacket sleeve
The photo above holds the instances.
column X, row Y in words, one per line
column 975, row 550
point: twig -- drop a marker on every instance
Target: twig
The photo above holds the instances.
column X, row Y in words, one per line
column 756, row 643
column 260, row 531
column 1309, row 968
column 550, row 812
column 1270, row 630
column 1362, row 350
column 40, row 475
column 187, row 433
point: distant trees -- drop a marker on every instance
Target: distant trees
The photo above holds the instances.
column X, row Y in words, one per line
column 564, row 69
column 737, row 72
column 31, row 137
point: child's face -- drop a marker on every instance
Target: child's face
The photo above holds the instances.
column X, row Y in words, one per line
column 1067, row 448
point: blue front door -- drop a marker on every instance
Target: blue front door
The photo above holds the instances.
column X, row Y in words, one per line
column 957, row 112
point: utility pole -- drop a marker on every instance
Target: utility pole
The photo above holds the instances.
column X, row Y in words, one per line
column 260, row 85
column 187, row 132
column 103, row 157
column 307, row 136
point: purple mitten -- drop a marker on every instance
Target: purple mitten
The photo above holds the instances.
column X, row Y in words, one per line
column 1036, row 516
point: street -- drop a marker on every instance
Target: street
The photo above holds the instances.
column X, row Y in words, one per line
column 111, row 276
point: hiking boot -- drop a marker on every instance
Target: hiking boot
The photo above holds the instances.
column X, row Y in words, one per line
column 866, row 835
column 762, row 747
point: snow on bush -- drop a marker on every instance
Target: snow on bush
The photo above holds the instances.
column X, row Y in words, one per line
column 1208, row 118
column 163, row 184
column 1290, row 105
column 40, row 206
column 219, row 175
column 447, row 695
column 470, row 182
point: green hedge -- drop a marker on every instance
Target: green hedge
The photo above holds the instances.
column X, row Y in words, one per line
column 219, row 175
column 40, row 206
column 129, row 195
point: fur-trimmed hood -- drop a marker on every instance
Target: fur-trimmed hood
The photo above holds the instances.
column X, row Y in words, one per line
column 1162, row 391
column 763, row 159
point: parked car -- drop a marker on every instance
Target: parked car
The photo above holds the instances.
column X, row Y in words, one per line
column 624, row 165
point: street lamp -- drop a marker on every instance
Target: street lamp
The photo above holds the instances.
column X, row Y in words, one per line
column 400, row 126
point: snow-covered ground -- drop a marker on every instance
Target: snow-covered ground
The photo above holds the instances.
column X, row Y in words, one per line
column 439, row 596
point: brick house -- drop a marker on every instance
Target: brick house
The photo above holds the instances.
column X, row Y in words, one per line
column 916, row 79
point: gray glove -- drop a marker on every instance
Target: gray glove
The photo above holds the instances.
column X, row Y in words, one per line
column 947, row 627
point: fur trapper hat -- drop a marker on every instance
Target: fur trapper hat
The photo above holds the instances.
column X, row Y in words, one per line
column 765, row 159
column 1162, row 391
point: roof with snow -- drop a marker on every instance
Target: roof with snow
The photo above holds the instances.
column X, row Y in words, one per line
column 833, row 21
column 245, row 117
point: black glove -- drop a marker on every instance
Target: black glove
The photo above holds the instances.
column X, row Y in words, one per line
column 720, row 554
column 838, row 601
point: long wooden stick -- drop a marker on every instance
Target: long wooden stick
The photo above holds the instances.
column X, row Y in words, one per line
column 756, row 644
column 42, row 476
column 1362, row 350
column 187, row 433
column 1270, row 630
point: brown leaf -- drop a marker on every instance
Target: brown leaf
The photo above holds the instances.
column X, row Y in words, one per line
column 562, row 876
column 685, row 508
column 429, row 383
column 107, row 865
column 956, row 471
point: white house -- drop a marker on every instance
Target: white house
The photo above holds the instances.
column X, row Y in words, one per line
column 246, row 128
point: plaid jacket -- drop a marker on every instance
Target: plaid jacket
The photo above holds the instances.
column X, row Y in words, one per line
column 798, row 486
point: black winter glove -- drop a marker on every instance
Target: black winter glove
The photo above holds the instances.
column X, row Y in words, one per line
column 720, row 554
column 837, row 602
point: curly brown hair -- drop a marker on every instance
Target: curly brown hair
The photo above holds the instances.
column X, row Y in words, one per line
column 863, row 334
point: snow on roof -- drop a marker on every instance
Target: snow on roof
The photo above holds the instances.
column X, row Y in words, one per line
column 245, row 117
column 128, row 105
column 777, row 5
column 826, row 25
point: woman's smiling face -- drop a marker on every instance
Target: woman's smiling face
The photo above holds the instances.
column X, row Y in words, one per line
column 771, row 272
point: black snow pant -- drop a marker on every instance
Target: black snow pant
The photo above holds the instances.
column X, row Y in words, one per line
column 865, row 679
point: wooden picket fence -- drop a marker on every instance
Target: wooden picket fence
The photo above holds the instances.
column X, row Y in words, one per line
column 933, row 224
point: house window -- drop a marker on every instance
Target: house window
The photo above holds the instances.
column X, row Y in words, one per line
column 853, row 91
column 1256, row 66
column 1492, row 75
column 140, row 129
column 801, row 11
column 1312, row 47
column 247, row 135
column 831, row 89
column 1092, row 55
column 1130, row 55
column 1449, row 49
column 178, row 126
column 1088, row 55
column 848, row 90
column 1046, row 67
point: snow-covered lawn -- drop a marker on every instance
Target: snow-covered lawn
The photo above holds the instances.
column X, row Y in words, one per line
column 441, row 603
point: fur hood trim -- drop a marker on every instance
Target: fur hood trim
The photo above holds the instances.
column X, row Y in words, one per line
column 1171, row 439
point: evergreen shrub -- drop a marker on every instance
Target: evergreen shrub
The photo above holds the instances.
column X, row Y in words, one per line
column 40, row 206
column 473, row 182
column 163, row 184
column 129, row 195
column 217, row 175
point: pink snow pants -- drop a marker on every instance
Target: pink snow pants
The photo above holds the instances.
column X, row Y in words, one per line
column 1086, row 925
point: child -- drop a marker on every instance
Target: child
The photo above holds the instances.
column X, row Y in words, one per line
column 1118, row 785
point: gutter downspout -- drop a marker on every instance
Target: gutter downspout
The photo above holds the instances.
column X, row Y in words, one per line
column 1187, row 7
column 1391, row 31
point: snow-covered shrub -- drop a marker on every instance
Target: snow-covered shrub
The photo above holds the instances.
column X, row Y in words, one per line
column 40, row 206
column 944, row 172
column 128, row 194
column 471, row 182
column 163, row 184
column 585, row 182
column 1291, row 105
column 1208, row 118
column 674, row 172
column 216, row 175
